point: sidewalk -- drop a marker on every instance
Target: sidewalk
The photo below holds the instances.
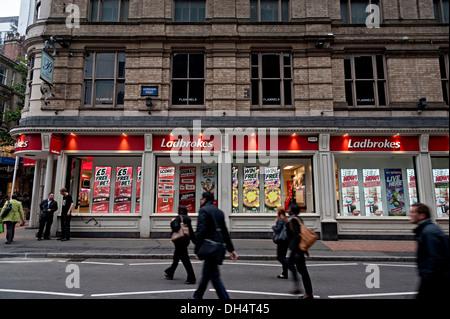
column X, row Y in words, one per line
column 25, row 245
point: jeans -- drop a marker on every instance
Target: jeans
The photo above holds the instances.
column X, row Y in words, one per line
column 281, row 257
column 297, row 259
column 46, row 220
column 211, row 272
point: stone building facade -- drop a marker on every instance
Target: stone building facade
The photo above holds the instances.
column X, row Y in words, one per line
column 312, row 70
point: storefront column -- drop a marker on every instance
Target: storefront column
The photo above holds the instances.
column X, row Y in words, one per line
column 425, row 176
column 325, row 189
column 147, row 188
column 225, row 173
column 35, row 196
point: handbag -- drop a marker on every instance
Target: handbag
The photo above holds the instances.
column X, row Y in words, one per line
column 182, row 234
column 307, row 236
column 7, row 210
column 281, row 237
column 1, row 227
column 213, row 250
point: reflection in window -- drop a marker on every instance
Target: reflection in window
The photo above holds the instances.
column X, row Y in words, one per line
column 190, row 11
column 354, row 11
column 109, row 10
column 188, row 79
column 269, row 10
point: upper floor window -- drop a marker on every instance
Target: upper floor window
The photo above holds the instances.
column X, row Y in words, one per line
column 365, row 80
column 354, row 11
column 190, row 11
column 444, row 66
column 3, row 75
column 269, row 10
column 271, row 77
column 109, row 10
column 188, row 79
column 441, row 8
column 104, row 79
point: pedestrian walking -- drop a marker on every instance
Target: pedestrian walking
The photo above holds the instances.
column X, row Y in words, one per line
column 48, row 207
column 210, row 227
column 432, row 255
column 281, row 240
column 66, row 214
column 13, row 217
column 297, row 261
column 181, row 247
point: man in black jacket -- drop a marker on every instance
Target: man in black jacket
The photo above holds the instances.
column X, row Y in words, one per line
column 48, row 207
column 432, row 255
column 210, row 220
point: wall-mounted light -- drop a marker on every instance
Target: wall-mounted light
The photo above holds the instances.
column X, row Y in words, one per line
column 422, row 104
column 149, row 104
column 320, row 43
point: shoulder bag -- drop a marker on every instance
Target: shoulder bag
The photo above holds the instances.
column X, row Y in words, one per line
column 182, row 234
column 307, row 236
column 281, row 237
column 213, row 249
column 7, row 209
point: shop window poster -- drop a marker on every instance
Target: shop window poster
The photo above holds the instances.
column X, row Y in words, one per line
column 123, row 190
column 251, row 189
column 138, row 190
column 187, row 188
column 395, row 192
column 166, row 190
column 441, row 191
column 101, row 191
column 350, row 192
column 412, row 186
column 235, row 189
column 208, row 180
column 272, row 188
column 372, row 192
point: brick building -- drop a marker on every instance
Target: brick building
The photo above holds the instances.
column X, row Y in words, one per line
column 355, row 103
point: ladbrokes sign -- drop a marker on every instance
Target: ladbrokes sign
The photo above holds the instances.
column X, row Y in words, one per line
column 374, row 144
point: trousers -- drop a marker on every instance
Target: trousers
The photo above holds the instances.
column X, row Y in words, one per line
column 211, row 273
column 181, row 253
column 45, row 221
column 10, row 231
column 65, row 225
column 297, row 259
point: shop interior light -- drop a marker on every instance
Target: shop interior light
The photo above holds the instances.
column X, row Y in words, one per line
column 289, row 167
column 294, row 135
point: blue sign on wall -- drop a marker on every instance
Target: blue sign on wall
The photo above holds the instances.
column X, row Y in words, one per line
column 149, row 91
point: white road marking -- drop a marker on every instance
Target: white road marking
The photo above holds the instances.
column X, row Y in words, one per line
column 262, row 293
column 142, row 293
column 278, row 265
column 393, row 265
column 374, row 295
column 162, row 263
column 41, row 292
column 102, row 263
column 23, row 261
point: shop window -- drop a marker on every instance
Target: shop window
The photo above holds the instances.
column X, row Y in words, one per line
column 105, row 185
column 183, row 185
column 441, row 185
column 444, row 67
column 262, row 189
column 354, row 11
column 271, row 79
column 188, row 79
column 104, row 79
column 109, row 10
column 269, row 10
column 365, row 80
column 441, row 10
column 190, row 11
column 375, row 186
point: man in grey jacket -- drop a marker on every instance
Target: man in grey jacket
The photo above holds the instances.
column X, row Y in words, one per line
column 432, row 255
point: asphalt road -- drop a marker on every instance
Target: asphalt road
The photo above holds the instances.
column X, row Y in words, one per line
column 143, row 279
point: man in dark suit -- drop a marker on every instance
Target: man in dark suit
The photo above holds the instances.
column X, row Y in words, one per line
column 210, row 220
column 48, row 207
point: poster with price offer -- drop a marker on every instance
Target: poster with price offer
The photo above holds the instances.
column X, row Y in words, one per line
column 166, row 190
column 350, row 192
column 372, row 192
column 235, row 189
column 102, row 188
column 395, row 192
column 251, row 189
column 187, row 188
column 272, row 188
column 138, row 190
column 412, row 188
column 122, row 194
column 441, row 191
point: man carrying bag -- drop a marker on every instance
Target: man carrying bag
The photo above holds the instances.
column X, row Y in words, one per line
column 211, row 236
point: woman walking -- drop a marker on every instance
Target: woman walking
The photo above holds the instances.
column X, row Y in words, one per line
column 181, row 251
column 282, row 245
column 14, row 216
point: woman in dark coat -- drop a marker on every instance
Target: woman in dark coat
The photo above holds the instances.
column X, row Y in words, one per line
column 282, row 247
column 181, row 251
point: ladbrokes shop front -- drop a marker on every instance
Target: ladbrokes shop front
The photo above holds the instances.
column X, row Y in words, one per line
column 131, row 183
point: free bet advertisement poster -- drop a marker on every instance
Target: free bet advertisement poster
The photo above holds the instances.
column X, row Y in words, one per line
column 102, row 188
column 395, row 192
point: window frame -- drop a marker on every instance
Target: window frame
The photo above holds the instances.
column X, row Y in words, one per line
column 375, row 80
column 99, row 10
column 188, row 79
column 280, row 12
column 444, row 64
column 348, row 5
column 94, row 79
column 4, row 75
column 190, row 8
column 282, row 80
column 439, row 14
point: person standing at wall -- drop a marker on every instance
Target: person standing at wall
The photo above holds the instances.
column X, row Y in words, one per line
column 432, row 255
column 48, row 207
column 66, row 214
column 14, row 216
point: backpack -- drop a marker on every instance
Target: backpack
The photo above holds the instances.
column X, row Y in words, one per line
column 7, row 209
column 307, row 236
